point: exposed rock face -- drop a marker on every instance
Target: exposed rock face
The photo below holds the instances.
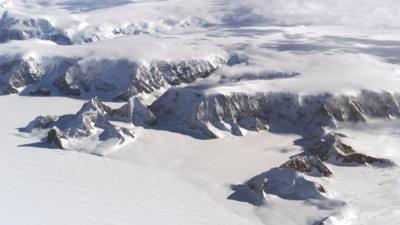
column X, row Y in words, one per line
column 67, row 88
column 77, row 77
column 365, row 159
column 134, row 112
column 13, row 28
column 366, row 104
column 18, row 73
column 284, row 182
column 92, row 120
column 111, row 79
column 162, row 74
column 344, row 108
column 191, row 108
column 40, row 122
column 128, row 78
column 57, row 138
column 92, row 115
column 307, row 164
column 207, row 114
column 332, row 148
column 111, row 131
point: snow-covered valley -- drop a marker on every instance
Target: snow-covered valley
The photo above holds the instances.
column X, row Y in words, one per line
column 199, row 112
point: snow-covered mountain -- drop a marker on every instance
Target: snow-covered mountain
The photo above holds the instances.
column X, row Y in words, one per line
column 92, row 77
column 203, row 112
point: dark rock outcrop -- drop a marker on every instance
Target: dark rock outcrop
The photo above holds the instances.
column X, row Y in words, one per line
column 331, row 147
column 111, row 79
column 40, row 122
column 134, row 112
column 191, row 108
column 308, row 164
column 93, row 119
column 159, row 74
column 18, row 73
column 57, row 138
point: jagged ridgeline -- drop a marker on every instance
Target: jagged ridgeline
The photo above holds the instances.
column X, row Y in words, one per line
column 14, row 26
column 208, row 114
column 94, row 122
column 109, row 79
column 192, row 111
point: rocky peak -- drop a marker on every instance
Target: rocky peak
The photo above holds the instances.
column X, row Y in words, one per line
column 332, row 148
column 93, row 121
column 57, row 138
column 159, row 74
column 18, row 73
column 308, row 164
column 95, row 105
column 191, row 108
column 12, row 27
column 134, row 112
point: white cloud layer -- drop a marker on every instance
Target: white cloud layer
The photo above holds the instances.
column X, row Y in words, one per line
column 365, row 13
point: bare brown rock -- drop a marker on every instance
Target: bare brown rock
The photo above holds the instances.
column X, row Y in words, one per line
column 331, row 147
column 307, row 164
column 365, row 159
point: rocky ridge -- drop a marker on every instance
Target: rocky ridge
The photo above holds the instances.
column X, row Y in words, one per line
column 18, row 73
column 236, row 112
column 210, row 115
column 194, row 111
column 93, row 120
column 117, row 79
column 13, row 27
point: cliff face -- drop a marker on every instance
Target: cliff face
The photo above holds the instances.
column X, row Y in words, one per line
column 111, row 79
column 331, row 147
column 134, row 112
column 161, row 74
column 209, row 115
column 235, row 112
column 19, row 72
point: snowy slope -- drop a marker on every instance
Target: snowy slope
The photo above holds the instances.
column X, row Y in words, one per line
column 199, row 112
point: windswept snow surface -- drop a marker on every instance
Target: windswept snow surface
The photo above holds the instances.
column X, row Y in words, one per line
column 254, row 73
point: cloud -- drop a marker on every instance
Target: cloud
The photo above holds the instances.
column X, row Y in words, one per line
column 364, row 13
